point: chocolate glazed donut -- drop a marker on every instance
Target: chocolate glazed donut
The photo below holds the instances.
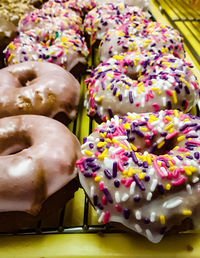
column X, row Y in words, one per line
column 36, row 171
column 38, row 88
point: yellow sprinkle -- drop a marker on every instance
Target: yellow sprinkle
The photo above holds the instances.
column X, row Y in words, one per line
column 160, row 144
column 187, row 212
column 168, row 187
column 99, row 99
column 162, row 219
column 108, row 140
column 166, row 63
column 123, row 146
column 89, row 153
column 101, row 144
column 125, row 172
column 168, row 127
column 186, row 120
column 97, row 179
column 168, row 118
column 115, row 141
column 104, row 152
column 102, row 157
column 103, row 135
column 176, row 113
column 130, row 172
column 149, row 159
column 172, row 168
column 171, row 130
column 133, row 147
column 141, row 176
column 180, row 138
column 144, row 129
column 127, row 126
column 118, row 57
column 10, row 57
column 174, row 97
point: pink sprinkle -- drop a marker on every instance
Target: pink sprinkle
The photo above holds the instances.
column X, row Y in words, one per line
column 109, row 136
column 112, row 156
column 123, row 180
column 120, row 166
column 97, row 153
column 101, row 186
column 123, row 157
column 181, row 170
column 60, row 54
column 146, row 97
column 179, row 182
column 156, row 107
column 169, row 93
column 170, row 175
column 137, row 104
column 81, row 168
column 158, row 169
column 151, row 94
column 154, row 131
column 186, row 104
column 148, row 143
column 120, row 151
column 176, row 173
column 182, row 150
column 148, row 125
column 193, row 142
column 169, row 136
column 106, row 217
column 115, row 145
column 118, row 208
column 94, row 174
column 187, row 130
column 165, row 121
column 129, row 182
column 80, row 161
column 104, row 200
column 195, row 85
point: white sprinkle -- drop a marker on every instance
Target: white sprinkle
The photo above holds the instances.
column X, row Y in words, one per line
column 117, row 197
column 101, row 217
column 149, row 196
column 126, row 93
column 108, row 163
column 164, row 171
column 138, row 228
column 142, row 102
column 160, row 140
column 132, row 188
column 149, row 234
column 127, row 143
column 92, row 191
column 195, row 179
column 125, row 197
column 97, row 140
column 153, row 185
column 173, row 203
column 151, row 171
column 85, row 145
column 189, row 189
column 101, row 110
column 121, row 137
column 164, row 101
column 116, row 150
column 138, row 215
column 153, row 217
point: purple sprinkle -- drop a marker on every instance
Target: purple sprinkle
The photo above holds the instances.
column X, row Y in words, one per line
column 100, row 206
column 189, row 157
column 114, row 91
column 134, row 158
column 136, row 198
column 95, row 199
column 196, row 155
column 97, row 167
column 145, row 164
column 182, row 128
column 91, row 145
column 130, row 97
column 108, row 195
column 126, row 213
column 110, row 112
column 163, row 134
column 138, row 182
column 146, row 221
column 91, row 164
column 114, row 169
column 179, row 157
column 138, row 132
column 191, row 136
column 90, row 159
column 107, row 174
column 84, row 140
column 161, row 189
column 116, row 183
column 88, row 174
column 187, row 90
column 120, row 97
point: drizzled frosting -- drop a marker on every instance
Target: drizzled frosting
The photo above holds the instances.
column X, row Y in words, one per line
column 143, row 170
column 140, row 82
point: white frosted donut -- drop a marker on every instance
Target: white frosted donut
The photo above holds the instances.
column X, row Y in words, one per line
column 66, row 48
column 142, row 171
column 140, row 82
column 146, row 35
column 102, row 18
column 37, row 157
column 38, row 88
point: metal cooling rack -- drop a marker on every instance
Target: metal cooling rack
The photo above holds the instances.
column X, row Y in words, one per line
column 185, row 18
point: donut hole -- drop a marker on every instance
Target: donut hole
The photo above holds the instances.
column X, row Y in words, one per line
column 166, row 148
column 24, row 79
column 14, row 144
column 132, row 74
column 62, row 117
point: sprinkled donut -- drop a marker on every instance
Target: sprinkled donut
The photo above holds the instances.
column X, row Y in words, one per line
column 102, row 18
column 37, row 157
column 66, row 49
column 140, row 82
column 142, row 170
column 146, row 35
column 51, row 19
column 38, row 88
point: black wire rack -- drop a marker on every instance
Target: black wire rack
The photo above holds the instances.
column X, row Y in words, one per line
column 186, row 18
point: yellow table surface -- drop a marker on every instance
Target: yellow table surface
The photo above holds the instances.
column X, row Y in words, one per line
column 98, row 245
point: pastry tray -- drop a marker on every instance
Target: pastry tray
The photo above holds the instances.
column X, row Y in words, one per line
column 74, row 231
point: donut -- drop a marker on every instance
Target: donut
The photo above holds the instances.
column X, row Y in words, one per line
column 52, row 19
column 143, row 4
column 38, row 88
column 8, row 32
column 38, row 156
column 142, row 171
column 64, row 48
column 140, row 82
column 13, row 10
column 146, row 35
column 102, row 18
